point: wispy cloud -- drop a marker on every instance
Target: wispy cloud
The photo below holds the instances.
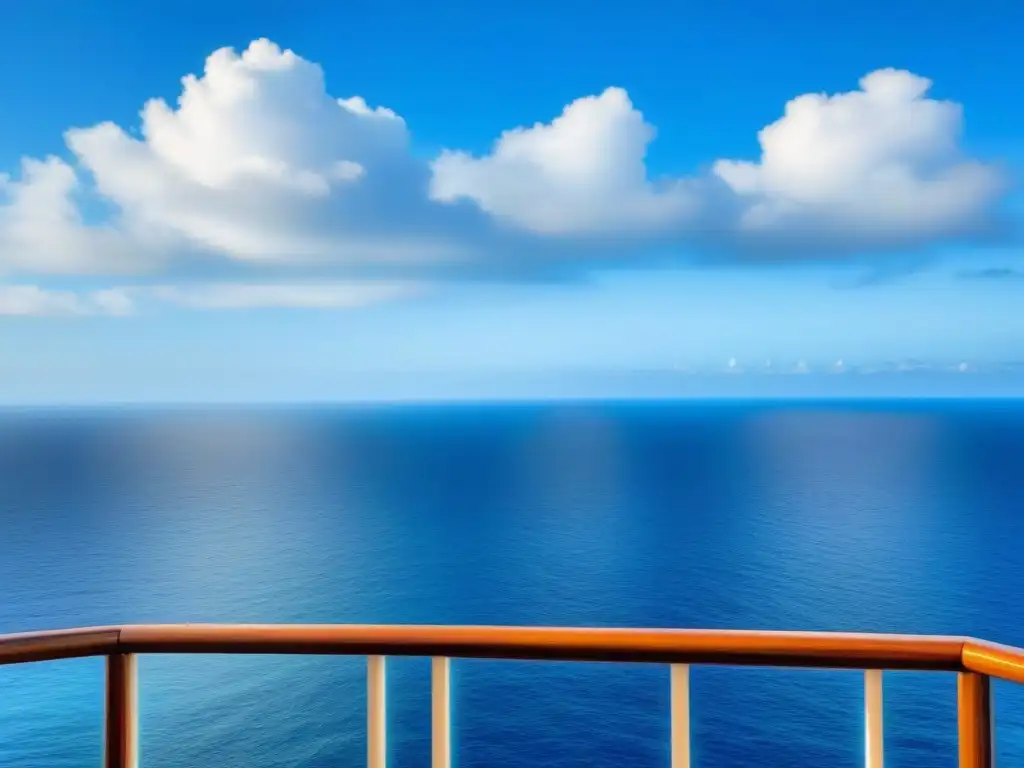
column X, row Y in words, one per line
column 225, row 296
column 35, row 301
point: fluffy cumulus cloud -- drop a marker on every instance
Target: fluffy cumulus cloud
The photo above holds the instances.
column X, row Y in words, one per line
column 879, row 166
column 258, row 163
column 257, row 167
column 583, row 173
column 876, row 168
column 42, row 228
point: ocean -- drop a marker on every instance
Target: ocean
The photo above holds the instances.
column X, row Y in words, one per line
column 858, row 516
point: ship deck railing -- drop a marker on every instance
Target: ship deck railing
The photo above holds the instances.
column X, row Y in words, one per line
column 975, row 663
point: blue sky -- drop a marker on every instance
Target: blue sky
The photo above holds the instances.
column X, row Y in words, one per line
column 259, row 240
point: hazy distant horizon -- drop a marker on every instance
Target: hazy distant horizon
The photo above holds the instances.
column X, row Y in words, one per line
column 509, row 387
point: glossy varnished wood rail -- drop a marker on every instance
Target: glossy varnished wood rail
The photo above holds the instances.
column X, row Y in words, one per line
column 680, row 646
column 58, row 644
column 975, row 661
column 992, row 659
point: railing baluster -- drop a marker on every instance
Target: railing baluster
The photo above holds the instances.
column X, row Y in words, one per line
column 441, row 693
column 121, row 721
column 874, row 732
column 680, row 695
column 376, row 712
column 974, row 716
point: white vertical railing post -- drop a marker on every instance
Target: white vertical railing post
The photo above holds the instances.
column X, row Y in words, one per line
column 441, row 721
column 680, row 687
column 873, row 729
column 376, row 712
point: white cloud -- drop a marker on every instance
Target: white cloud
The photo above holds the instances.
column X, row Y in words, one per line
column 879, row 167
column 257, row 164
column 304, row 296
column 42, row 229
column 880, row 164
column 34, row 301
column 112, row 301
column 582, row 173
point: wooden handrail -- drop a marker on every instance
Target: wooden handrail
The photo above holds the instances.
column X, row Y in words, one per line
column 58, row 644
column 685, row 646
column 739, row 647
column 550, row 643
column 728, row 647
column 1000, row 661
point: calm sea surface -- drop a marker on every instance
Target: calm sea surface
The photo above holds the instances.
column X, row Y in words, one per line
column 864, row 517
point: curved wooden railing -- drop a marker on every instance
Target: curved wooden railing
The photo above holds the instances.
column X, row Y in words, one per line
column 974, row 661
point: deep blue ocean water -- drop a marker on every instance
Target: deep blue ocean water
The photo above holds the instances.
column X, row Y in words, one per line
column 861, row 516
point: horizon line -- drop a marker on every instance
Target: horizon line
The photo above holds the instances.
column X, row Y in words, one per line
column 545, row 400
